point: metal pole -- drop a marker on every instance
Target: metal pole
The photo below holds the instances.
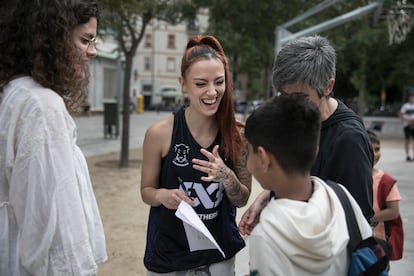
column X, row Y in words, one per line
column 359, row 12
column 283, row 36
column 310, row 12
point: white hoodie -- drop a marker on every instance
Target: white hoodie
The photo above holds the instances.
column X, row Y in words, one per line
column 304, row 238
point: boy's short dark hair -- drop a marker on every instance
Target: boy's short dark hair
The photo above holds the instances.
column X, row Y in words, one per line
column 287, row 126
column 373, row 137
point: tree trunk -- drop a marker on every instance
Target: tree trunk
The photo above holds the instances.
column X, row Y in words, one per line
column 267, row 82
column 124, row 161
column 362, row 86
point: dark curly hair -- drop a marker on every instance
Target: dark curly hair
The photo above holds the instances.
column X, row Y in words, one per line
column 36, row 39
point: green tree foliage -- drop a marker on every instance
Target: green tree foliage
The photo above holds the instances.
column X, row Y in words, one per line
column 247, row 31
column 367, row 63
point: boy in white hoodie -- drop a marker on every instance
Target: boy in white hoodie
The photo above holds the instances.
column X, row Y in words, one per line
column 302, row 230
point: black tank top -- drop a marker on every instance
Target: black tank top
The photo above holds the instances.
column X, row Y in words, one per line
column 168, row 246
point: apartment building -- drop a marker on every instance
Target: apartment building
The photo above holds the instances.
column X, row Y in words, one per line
column 158, row 59
column 106, row 75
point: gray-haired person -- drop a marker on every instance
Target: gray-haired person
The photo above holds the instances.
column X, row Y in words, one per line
column 307, row 66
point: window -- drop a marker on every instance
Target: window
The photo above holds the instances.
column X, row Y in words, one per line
column 147, row 63
column 171, row 41
column 148, row 41
column 193, row 25
column 171, row 64
column 147, row 88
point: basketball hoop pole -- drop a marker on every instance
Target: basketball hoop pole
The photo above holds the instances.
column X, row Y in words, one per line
column 283, row 35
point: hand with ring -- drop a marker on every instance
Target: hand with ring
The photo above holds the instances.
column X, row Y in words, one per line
column 214, row 166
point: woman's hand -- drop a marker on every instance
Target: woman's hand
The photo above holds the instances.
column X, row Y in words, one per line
column 171, row 198
column 251, row 216
column 237, row 186
column 215, row 168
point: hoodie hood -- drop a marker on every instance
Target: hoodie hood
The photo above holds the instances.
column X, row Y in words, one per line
column 343, row 113
column 313, row 233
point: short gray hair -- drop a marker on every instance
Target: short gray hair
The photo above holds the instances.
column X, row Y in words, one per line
column 308, row 61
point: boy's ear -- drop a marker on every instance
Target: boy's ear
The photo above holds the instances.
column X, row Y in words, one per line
column 265, row 158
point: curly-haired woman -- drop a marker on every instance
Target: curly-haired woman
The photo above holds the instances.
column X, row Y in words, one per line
column 49, row 219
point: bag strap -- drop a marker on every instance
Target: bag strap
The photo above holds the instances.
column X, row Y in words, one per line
column 353, row 229
column 384, row 188
column 355, row 237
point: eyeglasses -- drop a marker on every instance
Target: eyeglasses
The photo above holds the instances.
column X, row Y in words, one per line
column 91, row 42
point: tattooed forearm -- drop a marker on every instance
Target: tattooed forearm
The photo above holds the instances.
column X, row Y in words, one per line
column 238, row 183
column 231, row 184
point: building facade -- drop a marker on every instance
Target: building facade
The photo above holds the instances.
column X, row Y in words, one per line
column 158, row 60
column 156, row 67
column 106, row 75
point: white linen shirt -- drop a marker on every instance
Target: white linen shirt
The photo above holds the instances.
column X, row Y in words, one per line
column 49, row 218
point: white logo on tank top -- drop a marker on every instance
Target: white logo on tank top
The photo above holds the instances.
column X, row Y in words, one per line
column 181, row 153
column 209, row 196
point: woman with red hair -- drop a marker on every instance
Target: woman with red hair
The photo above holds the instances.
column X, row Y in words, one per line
column 196, row 155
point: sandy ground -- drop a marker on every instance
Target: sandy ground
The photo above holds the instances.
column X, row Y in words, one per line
column 125, row 216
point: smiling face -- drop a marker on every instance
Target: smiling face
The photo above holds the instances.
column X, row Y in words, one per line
column 84, row 37
column 205, row 84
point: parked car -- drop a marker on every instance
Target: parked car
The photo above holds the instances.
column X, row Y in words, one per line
column 240, row 106
column 255, row 104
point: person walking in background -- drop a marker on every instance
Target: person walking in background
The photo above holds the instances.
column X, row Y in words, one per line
column 302, row 230
column 307, row 66
column 196, row 155
column 49, row 218
column 386, row 221
column 407, row 117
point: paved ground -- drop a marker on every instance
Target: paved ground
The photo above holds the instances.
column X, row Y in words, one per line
column 92, row 142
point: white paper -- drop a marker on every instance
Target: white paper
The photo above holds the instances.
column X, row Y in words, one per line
column 198, row 236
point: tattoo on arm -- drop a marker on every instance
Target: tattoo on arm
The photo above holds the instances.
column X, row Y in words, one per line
column 238, row 183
